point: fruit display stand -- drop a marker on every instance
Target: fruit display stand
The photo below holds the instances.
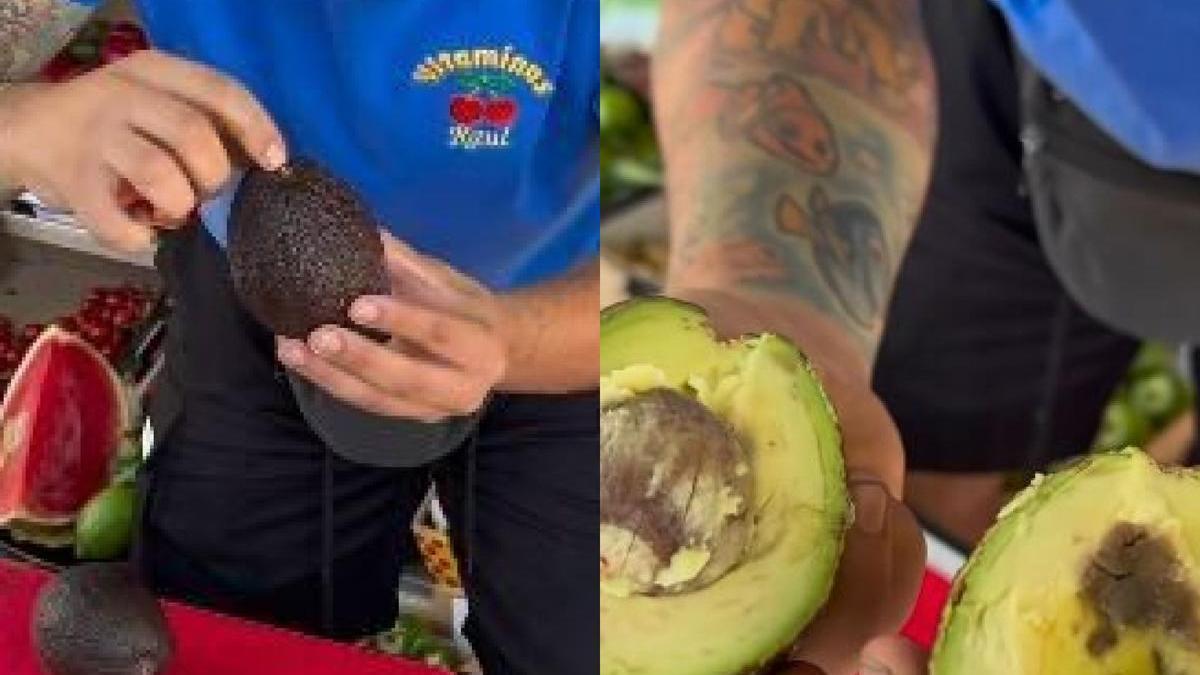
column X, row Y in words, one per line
column 205, row 643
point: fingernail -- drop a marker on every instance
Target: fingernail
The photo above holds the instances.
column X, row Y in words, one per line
column 364, row 311
column 871, row 502
column 326, row 343
column 275, row 156
column 290, row 355
column 870, row 666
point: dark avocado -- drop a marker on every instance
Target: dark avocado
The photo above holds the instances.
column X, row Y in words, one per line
column 302, row 246
column 98, row 619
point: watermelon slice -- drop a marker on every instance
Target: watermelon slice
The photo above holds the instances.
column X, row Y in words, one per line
column 60, row 430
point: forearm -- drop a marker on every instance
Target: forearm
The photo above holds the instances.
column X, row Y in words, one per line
column 553, row 334
column 797, row 136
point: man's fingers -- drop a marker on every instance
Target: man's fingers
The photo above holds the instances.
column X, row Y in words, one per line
column 877, row 581
column 346, row 387
column 236, row 109
column 108, row 220
column 190, row 135
column 460, row 341
column 152, row 171
column 437, row 386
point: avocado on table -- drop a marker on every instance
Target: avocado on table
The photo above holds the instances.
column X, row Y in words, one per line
column 98, row 619
column 1090, row 570
column 723, row 500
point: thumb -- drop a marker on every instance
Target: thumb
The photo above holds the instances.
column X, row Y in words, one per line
column 425, row 279
column 877, row 580
column 406, row 266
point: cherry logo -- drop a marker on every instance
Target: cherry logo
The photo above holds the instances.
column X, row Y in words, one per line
column 501, row 111
column 466, row 109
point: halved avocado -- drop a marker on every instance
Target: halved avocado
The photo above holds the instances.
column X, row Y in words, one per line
column 723, row 494
column 1092, row 569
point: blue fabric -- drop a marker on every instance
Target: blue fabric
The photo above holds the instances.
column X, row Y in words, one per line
column 1131, row 66
column 357, row 86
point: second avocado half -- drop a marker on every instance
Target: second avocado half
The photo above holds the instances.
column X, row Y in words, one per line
column 302, row 246
column 1091, row 569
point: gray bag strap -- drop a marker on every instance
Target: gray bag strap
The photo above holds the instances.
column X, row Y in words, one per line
column 1122, row 236
column 375, row 440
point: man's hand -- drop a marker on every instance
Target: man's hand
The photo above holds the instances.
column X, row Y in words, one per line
column 447, row 346
column 880, row 570
column 135, row 146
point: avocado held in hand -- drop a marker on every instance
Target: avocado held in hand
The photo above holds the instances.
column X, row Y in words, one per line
column 723, row 499
column 97, row 619
column 302, row 247
column 1092, row 569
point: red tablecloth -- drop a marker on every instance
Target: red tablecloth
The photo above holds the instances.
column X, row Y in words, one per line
column 206, row 643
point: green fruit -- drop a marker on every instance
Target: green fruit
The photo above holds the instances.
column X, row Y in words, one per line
column 1152, row 357
column 723, row 500
column 1158, row 396
column 97, row 619
column 1122, row 426
column 105, row 525
column 302, row 247
column 620, row 111
column 1092, row 569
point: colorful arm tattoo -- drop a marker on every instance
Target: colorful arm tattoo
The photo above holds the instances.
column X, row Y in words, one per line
column 798, row 138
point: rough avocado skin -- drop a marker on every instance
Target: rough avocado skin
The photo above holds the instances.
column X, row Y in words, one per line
column 97, row 619
column 302, row 247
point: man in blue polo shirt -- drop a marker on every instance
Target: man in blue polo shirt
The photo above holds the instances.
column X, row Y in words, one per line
column 471, row 132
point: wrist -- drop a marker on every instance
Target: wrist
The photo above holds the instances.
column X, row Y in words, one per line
column 512, row 330
column 737, row 310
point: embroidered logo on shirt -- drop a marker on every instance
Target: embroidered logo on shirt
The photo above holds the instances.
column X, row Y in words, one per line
column 484, row 107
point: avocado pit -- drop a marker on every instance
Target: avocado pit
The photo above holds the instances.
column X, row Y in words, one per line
column 1135, row 580
column 675, row 495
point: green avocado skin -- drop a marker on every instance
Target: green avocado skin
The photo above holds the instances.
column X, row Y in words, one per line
column 98, row 619
column 302, row 246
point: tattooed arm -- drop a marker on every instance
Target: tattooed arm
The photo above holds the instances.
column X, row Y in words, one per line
column 797, row 136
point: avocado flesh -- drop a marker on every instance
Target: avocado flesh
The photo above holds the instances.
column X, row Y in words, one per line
column 764, row 390
column 302, row 247
column 97, row 619
column 1092, row 569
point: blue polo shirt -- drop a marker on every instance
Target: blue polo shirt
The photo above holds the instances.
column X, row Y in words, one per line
column 469, row 127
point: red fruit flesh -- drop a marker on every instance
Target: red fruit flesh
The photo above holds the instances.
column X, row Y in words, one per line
column 62, row 418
